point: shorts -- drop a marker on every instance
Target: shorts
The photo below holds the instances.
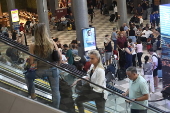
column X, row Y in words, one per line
column 155, row 72
column 108, row 55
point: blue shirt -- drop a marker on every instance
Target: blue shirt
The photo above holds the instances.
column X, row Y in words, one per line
column 75, row 51
column 126, row 28
column 152, row 17
column 157, row 16
column 114, row 35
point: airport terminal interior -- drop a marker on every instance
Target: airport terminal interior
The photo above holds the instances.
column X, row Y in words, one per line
column 66, row 21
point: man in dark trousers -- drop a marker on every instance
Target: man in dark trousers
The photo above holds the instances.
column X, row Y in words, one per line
column 91, row 13
column 157, row 17
column 145, row 7
column 101, row 6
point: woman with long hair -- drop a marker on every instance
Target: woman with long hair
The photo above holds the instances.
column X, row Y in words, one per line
column 96, row 74
column 148, row 73
column 43, row 48
column 128, row 55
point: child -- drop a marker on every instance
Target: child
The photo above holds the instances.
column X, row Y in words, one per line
column 148, row 73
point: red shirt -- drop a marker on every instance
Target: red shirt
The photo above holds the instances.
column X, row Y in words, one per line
column 121, row 41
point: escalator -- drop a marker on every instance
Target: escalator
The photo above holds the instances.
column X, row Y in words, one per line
column 12, row 78
column 15, row 78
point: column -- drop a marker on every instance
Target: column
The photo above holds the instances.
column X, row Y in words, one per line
column 56, row 4
column 11, row 5
column 52, row 6
column 81, row 21
column 122, row 11
column 0, row 10
column 43, row 13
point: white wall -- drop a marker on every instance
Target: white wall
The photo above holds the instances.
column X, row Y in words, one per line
column 11, row 102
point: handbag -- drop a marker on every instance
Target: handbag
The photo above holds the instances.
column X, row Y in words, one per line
column 83, row 88
column 55, row 55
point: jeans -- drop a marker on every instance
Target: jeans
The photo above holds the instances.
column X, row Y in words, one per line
column 93, row 96
column 53, row 76
column 115, row 44
column 139, row 55
column 138, row 111
column 133, row 38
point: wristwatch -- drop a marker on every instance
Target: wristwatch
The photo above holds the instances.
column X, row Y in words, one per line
column 135, row 99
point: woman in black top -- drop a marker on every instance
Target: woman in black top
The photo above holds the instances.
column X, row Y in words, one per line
column 132, row 35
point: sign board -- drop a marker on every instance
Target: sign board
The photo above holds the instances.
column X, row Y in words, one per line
column 165, row 38
column 14, row 15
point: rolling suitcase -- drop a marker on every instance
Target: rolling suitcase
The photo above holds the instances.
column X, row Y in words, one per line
column 60, row 27
column 66, row 103
column 112, row 17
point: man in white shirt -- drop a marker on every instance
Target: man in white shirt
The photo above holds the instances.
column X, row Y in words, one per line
column 64, row 20
column 145, row 34
column 154, row 59
column 116, row 13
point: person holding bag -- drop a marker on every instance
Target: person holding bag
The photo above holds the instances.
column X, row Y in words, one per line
column 96, row 74
column 44, row 48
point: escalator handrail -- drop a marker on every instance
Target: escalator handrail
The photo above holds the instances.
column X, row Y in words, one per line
column 66, row 70
column 15, row 43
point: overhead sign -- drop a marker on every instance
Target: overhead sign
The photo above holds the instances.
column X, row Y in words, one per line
column 14, row 15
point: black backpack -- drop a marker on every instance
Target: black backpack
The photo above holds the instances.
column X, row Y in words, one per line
column 12, row 53
column 159, row 67
column 66, row 103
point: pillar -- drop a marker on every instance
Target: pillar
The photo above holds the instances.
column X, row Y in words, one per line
column 52, row 6
column 43, row 13
column 122, row 11
column 81, row 21
column 56, row 4
column 0, row 10
column 11, row 5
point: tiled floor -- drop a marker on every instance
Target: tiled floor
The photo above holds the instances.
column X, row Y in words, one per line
column 103, row 27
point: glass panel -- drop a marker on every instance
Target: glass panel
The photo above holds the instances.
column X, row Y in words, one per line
column 12, row 76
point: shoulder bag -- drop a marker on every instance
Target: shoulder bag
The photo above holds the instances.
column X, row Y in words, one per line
column 55, row 55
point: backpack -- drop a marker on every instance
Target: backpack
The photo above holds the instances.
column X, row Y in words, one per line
column 166, row 92
column 12, row 53
column 159, row 67
column 66, row 103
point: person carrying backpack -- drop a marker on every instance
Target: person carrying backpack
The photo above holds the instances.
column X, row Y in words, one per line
column 157, row 65
column 13, row 54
